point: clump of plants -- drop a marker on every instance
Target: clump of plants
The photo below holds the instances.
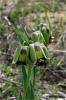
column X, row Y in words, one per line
column 30, row 50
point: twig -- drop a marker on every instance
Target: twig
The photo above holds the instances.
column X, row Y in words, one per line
column 11, row 98
column 60, row 61
column 7, row 20
column 5, row 91
column 58, row 51
column 13, row 82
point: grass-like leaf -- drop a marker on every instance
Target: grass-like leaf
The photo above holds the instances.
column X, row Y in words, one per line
column 16, row 55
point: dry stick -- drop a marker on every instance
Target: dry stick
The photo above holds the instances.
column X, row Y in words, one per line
column 12, row 98
column 7, row 20
column 58, row 51
column 60, row 61
column 13, row 82
column 6, row 90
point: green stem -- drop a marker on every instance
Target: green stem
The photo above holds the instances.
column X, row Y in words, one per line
column 29, row 76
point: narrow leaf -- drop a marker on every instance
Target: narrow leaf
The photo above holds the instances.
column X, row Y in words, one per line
column 16, row 55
